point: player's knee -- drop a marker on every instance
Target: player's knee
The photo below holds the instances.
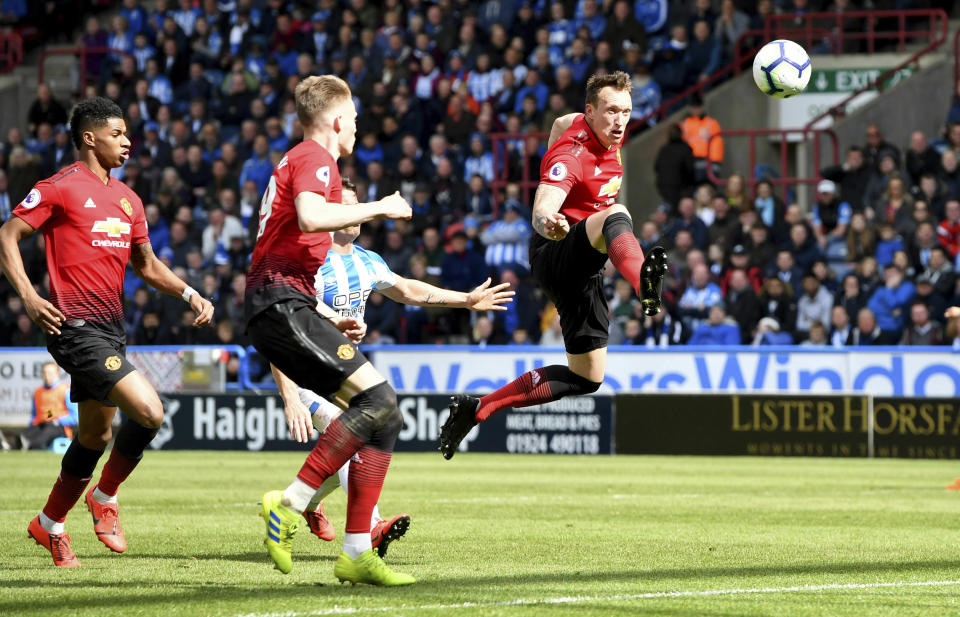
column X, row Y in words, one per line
column 582, row 385
column 617, row 209
column 394, row 422
column 151, row 415
column 378, row 403
column 95, row 438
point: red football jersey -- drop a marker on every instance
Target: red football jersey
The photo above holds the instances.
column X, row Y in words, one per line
column 87, row 227
column 285, row 259
column 590, row 173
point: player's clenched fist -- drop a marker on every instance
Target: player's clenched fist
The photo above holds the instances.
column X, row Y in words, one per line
column 396, row 207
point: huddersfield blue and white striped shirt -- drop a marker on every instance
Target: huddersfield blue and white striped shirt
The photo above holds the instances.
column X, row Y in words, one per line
column 344, row 282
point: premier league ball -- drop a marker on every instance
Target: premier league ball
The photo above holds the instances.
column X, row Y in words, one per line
column 781, row 69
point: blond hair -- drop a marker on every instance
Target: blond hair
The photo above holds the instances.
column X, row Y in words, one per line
column 317, row 94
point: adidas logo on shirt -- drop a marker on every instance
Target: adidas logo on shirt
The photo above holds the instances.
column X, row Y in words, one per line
column 89, row 203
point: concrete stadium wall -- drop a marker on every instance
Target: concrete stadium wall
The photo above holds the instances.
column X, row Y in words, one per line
column 12, row 103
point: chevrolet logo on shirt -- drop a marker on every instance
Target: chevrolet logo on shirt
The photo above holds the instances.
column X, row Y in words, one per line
column 611, row 188
column 113, row 227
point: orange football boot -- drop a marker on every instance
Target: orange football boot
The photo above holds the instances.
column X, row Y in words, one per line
column 57, row 544
column 106, row 523
column 319, row 524
column 386, row 531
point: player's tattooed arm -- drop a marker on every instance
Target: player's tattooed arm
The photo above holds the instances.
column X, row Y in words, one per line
column 156, row 274
column 559, row 126
column 547, row 220
column 420, row 293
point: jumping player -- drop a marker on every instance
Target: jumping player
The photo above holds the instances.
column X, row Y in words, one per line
column 348, row 276
column 93, row 225
column 579, row 226
column 304, row 339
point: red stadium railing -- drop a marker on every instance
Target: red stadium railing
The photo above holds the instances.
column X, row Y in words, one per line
column 806, row 134
column 499, row 143
column 82, row 52
column 820, row 28
column 11, row 51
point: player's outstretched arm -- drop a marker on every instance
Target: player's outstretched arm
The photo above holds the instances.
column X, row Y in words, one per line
column 316, row 214
column 156, row 274
column 42, row 312
column 559, row 126
column 351, row 327
column 419, row 293
column 298, row 416
column 547, row 220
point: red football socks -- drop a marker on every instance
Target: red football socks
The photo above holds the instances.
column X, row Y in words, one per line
column 334, row 448
column 367, row 472
column 116, row 470
column 65, row 494
column 627, row 257
column 531, row 388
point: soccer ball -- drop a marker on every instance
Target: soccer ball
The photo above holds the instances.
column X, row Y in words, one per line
column 781, row 69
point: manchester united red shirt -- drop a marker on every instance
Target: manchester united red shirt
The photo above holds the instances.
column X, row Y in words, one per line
column 88, row 228
column 286, row 260
column 589, row 172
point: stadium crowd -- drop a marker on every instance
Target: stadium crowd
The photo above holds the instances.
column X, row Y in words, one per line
column 207, row 90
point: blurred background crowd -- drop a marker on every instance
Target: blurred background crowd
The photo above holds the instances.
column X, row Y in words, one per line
column 207, row 86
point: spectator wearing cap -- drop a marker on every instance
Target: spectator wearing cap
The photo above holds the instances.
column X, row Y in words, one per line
column 876, row 147
column 831, row 216
column 740, row 260
column 717, row 330
column 770, row 332
column 813, row 306
column 889, row 302
column 674, row 167
column 922, row 331
column 852, row 176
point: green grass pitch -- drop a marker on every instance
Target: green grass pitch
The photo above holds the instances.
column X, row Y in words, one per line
column 512, row 535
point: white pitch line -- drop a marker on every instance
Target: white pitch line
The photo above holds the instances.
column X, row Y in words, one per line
column 338, row 610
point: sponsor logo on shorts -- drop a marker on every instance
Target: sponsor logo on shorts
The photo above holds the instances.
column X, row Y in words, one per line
column 32, row 200
column 345, row 352
column 558, row 172
column 125, row 205
column 112, row 363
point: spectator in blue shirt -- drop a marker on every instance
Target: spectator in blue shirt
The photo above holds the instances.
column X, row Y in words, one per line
column 717, row 330
column 594, row 22
column 652, row 14
column 645, row 94
column 136, row 16
column 561, row 30
column 889, row 302
column 480, row 161
column 831, row 216
column 258, row 167
column 532, row 85
column 462, row 270
column 186, row 16
column 699, row 298
column 120, row 39
column 578, row 60
column 160, row 87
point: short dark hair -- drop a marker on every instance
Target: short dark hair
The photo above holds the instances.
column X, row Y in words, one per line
column 91, row 113
column 618, row 80
column 348, row 184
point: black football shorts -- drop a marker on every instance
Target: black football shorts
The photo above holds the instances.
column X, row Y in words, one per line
column 94, row 356
column 305, row 346
column 570, row 272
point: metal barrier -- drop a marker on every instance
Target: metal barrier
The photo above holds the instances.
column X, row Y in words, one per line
column 785, row 179
column 81, row 51
column 501, row 178
column 11, row 51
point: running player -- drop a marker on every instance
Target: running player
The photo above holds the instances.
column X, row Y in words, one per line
column 579, row 226
column 93, row 225
column 348, row 276
column 304, row 338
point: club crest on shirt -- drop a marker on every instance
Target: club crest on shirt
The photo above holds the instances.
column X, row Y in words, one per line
column 112, row 363
column 125, row 205
column 345, row 352
column 558, row 172
column 32, row 200
column 323, row 175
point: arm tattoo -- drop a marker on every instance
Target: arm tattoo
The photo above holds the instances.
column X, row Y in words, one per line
column 141, row 255
column 431, row 300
